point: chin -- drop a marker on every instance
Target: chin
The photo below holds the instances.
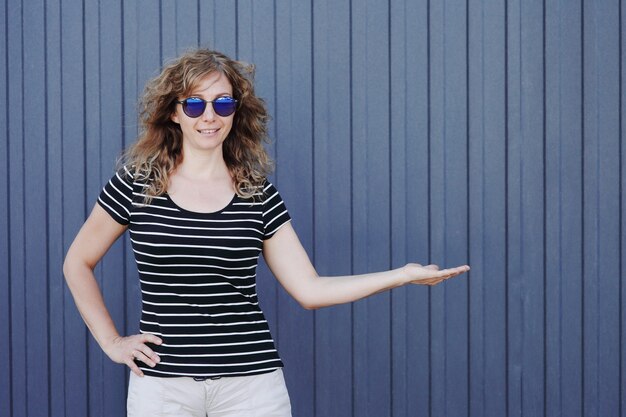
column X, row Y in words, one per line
column 205, row 145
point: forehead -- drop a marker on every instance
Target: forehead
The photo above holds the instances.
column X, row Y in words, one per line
column 213, row 83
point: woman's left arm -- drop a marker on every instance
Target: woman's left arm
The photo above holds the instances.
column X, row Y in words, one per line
column 291, row 265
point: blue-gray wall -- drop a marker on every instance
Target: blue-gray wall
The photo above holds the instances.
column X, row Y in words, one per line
column 486, row 132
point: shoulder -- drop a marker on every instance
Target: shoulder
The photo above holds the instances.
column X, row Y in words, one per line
column 125, row 174
column 258, row 192
column 132, row 177
column 269, row 191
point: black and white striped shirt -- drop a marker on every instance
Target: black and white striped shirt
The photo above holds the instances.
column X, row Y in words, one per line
column 197, row 273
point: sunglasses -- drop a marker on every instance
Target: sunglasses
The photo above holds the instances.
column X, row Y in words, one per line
column 195, row 106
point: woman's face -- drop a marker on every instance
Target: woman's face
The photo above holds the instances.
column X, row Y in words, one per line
column 208, row 131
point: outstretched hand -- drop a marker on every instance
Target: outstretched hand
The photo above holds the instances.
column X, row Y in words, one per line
column 130, row 348
column 431, row 274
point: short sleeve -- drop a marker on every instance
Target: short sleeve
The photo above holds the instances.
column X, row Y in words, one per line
column 275, row 213
column 116, row 196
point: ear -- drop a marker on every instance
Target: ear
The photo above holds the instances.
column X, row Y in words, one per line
column 174, row 117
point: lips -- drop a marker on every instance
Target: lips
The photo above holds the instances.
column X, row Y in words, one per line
column 207, row 131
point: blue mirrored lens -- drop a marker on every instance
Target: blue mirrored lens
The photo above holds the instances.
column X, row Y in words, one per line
column 224, row 106
column 194, row 107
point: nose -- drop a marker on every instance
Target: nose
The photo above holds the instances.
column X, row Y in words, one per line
column 209, row 112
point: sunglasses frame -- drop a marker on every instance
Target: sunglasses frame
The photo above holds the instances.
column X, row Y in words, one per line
column 205, row 102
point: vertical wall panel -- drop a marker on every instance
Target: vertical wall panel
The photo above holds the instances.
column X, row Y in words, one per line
column 591, row 215
column 180, row 27
column 370, row 208
column 608, row 204
column 5, row 245
column 111, row 132
column 332, row 206
column 476, row 159
column 74, row 179
column 513, row 245
column 622, row 217
column 417, row 131
column 147, row 39
column 480, row 131
column 525, row 208
column 601, row 209
column 16, row 210
column 531, row 217
column 168, row 19
column 409, row 210
column 34, row 169
column 454, row 193
column 54, row 203
column 294, row 150
column 436, row 176
column 218, row 25
column 487, row 198
column 397, row 107
column 564, row 239
column 448, row 205
column 93, row 117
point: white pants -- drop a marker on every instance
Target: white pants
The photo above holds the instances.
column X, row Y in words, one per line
column 263, row 395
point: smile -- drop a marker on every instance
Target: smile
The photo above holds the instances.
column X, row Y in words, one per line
column 207, row 131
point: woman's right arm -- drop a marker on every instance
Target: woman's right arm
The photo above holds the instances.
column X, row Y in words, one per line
column 93, row 240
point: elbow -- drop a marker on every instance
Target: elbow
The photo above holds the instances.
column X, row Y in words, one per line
column 73, row 267
column 68, row 268
column 305, row 301
column 309, row 293
column 309, row 306
column 308, row 302
column 69, row 263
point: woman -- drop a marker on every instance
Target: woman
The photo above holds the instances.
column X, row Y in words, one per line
column 193, row 193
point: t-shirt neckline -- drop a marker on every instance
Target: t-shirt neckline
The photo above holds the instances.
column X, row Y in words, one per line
column 200, row 213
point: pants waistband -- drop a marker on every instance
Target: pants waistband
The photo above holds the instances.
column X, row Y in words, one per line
column 204, row 378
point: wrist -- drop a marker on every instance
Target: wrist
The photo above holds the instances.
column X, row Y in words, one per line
column 108, row 342
column 403, row 275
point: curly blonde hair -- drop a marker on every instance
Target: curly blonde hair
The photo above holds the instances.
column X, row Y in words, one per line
column 158, row 150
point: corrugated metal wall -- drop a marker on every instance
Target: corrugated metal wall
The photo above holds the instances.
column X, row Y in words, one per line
column 454, row 131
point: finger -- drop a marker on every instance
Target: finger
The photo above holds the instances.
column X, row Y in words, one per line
column 150, row 338
column 451, row 272
column 427, row 281
column 133, row 367
column 461, row 269
column 450, row 275
column 134, row 355
column 149, row 353
column 139, row 355
column 433, row 267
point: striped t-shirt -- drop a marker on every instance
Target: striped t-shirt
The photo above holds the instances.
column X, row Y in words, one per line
column 197, row 274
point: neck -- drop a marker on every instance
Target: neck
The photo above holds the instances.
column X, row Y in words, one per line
column 203, row 165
